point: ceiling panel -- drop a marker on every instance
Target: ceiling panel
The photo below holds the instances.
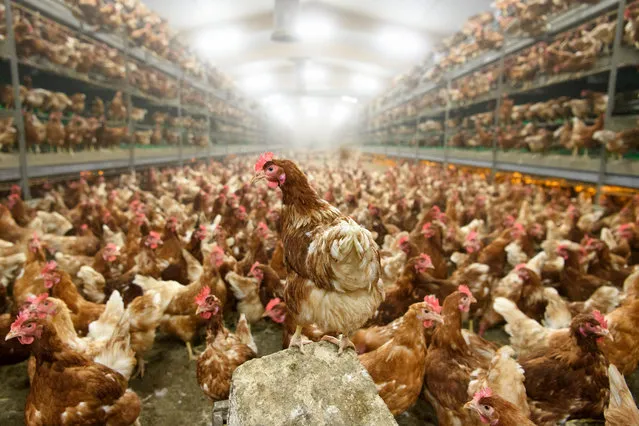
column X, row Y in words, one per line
column 437, row 16
column 358, row 43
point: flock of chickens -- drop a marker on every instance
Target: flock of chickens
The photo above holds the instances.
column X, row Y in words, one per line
column 564, row 123
column 105, row 128
column 47, row 43
column 144, row 28
column 576, row 50
column 389, row 263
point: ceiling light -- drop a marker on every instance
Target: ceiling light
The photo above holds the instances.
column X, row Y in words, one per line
column 365, row 84
column 313, row 74
column 257, row 83
column 311, row 107
column 340, row 113
column 273, row 99
column 403, row 43
column 284, row 114
column 349, row 99
column 219, row 41
column 315, row 29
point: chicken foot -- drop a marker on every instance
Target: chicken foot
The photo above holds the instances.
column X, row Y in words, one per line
column 140, row 370
column 342, row 343
column 192, row 355
column 298, row 339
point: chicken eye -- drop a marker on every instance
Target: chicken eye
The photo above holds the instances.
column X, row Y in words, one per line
column 270, row 169
column 486, row 407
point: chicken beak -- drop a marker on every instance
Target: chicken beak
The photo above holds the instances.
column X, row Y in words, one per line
column 11, row 334
column 606, row 333
column 258, row 177
column 199, row 310
column 469, row 405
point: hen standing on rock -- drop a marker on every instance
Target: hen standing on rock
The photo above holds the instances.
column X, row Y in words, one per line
column 333, row 266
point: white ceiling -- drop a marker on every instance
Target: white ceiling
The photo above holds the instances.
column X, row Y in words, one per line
column 354, row 50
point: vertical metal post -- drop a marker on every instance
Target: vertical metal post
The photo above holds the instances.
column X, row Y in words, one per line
column 209, row 148
column 417, row 132
column 449, row 84
column 612, row 88
column 500, row 90
column 181, row 128
column 129, row 104
column 17, row 103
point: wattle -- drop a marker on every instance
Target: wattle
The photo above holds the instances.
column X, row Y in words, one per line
column 273, row 184
column 26, row 340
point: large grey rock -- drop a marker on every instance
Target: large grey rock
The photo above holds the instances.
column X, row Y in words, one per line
column 316, row 388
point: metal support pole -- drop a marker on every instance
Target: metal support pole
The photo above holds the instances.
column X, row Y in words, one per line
column 500, row 91
column 129, row 106
column 449, row 84
column 209, row 148
column 612, row 88
column 181, row 128
column 417, row 132
column 17, row 103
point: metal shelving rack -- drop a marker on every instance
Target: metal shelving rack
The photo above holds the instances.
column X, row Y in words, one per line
column 59, row 13
column 562, row 22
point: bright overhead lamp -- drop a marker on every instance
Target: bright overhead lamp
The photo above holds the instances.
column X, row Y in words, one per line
column 284, row 114
column 340, row 113
column 365, row 84
column 315, row 29
column 273, row 99
column 311, row 107
column 314, row 74
column 349, row 99
column 220, row 41
column 401, row 43
column 257, row 83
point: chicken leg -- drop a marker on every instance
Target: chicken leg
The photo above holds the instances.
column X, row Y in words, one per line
column 140, row 370
column 189, row 349
column 298, row 339
column 342, row 343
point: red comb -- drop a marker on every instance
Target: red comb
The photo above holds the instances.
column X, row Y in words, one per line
column 433, row 302
column 403, row 239
column 202, row 295
column 484, row 393
column 262, row 160
column 255, row 265
column 520, row 266
column 20, row 319
column 471, row 235
column 600, row 318
column 464, row 289
column 272, row 303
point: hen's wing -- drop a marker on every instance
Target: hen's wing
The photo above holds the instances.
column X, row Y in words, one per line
column 621, row 410
column 344, row 257
column 525, row 333
column 243, row 333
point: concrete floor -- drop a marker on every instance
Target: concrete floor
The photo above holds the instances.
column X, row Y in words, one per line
column 171, row 395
